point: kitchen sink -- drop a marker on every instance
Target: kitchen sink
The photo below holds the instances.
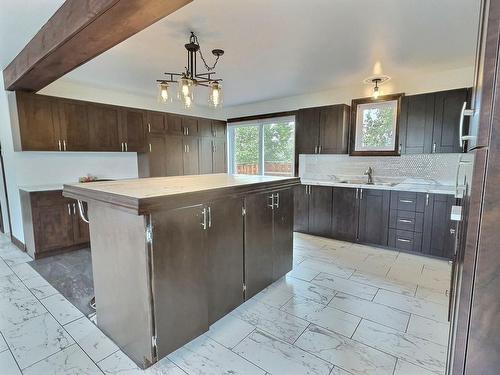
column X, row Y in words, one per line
column 363, row 182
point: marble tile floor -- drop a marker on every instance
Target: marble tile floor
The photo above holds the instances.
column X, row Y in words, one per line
column 344, row 309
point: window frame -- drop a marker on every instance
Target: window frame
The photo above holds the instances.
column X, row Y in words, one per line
column 260, row 123
column 395, row 149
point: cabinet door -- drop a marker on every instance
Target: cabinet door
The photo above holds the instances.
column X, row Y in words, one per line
column 156, row 122
column 174, row 124
column 220, row 156
column 448, row 107
column 205, row 127
column 155, row 163
column 219, row 128
column 81, row 233
column 38, row 122
column 174, row 155
column 307, row 131
column 258, row 243
column 320, row 211
column 225, row 257
column 374, row 208
column 104, row 123
column 437, row 239
column 206, row 155
column 283, row 233
column 54, row 227
column 345, row 209
column 334, row 129
column 134, row 130
column 180, row 282
column 301, row 209
column 190, row 125
column 191, row 157
column 75, row 127
column 417, row 118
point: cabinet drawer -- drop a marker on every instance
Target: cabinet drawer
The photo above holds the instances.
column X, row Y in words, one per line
column 406, row 220
column 408, row 201
column 405, row 240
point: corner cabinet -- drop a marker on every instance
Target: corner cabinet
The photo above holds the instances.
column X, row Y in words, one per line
column 408, row 221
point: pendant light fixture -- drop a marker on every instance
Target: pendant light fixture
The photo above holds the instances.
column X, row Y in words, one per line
column 376, row 91
column 190, row 78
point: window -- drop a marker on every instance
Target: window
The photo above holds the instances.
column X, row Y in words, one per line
column 375, row 125
column 263, row 147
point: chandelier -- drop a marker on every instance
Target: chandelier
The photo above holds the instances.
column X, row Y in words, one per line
column 190, row 78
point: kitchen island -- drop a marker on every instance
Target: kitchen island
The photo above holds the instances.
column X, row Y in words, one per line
column 171, row 255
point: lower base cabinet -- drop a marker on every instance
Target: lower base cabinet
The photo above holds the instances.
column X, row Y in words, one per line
column 51, row 223
column 407, row 221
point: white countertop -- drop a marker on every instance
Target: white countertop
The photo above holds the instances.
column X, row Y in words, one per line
column 403, row 186
column 45, row 187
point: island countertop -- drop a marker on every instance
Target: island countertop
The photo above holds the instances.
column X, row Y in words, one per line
column 144, row 194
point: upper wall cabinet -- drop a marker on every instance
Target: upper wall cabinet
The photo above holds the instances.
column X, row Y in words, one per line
column 322, row 130
column 430, row 123
column 104, row 123
column 133, row 130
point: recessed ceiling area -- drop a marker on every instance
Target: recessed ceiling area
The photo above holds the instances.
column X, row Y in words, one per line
column 283, row 48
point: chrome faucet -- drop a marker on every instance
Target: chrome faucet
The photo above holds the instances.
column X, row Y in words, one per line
column 369, row 173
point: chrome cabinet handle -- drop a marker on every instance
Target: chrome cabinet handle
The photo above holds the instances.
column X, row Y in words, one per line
column 357, row 193
column 452, row 231
column 277, row 204
column 126, row 147
column 405, row 201
column 461, row 137
column 434, row 148
column 64, row 145
column 209, row 217
column 360, row 193
column 187, row 131
column 204, row 218
column 427, row 199
column 319, row 149
column 271, row 197
column 150, row 147
column 69, row 209
column 122, row 146
column 403, row 240
column 405, row 221
column 188, row 148
column 59, row 144
column 74, row 208
column 149, row 127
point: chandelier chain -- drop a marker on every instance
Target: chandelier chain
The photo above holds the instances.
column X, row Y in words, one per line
column 209, row 68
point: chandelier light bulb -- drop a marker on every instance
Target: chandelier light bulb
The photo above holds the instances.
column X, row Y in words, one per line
column 215, row 97
column 376, row 92
column 163, row 93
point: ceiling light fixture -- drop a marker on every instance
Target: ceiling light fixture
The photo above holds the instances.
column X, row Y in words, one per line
column 190, row 78
column 377, row 81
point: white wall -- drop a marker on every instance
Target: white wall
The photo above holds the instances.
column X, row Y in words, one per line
column 410, row 85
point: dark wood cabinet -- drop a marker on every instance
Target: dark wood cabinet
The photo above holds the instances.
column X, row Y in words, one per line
column 374, row 208
column 307, row 131
column 258, row 243
column 174, row 155
column 219, row 155
column 320, row 210
column 437, row 237
column 430, row 123
column 301, row 208
column 133, row 130
column 283, row 233
column 39, row 128
column 156, row 122
column 205, row 127
column 189, row 125
column 219, row 128
column 181, row 288
column 448, row 107
column 334, row 129
column 225, row 257
column 417, row 121
column 104, row 124
column 205, row 155
column 74, row 125
column 191, row 155
column 51, row 223
column 268, row 238
column 174, row 124
column 345, row 214
column 154, row 162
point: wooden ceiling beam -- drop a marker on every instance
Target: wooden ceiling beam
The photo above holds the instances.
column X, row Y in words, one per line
column 77, row 32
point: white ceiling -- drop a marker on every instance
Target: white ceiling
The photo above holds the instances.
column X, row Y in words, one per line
column 275, row 48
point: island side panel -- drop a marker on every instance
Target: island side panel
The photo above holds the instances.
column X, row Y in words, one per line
column 180, row 279
column 120, row 265
column 283, row 234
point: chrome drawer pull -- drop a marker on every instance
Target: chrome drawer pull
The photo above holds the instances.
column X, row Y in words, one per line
column 405, row 221
column 405, row 201
column 403, row 240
